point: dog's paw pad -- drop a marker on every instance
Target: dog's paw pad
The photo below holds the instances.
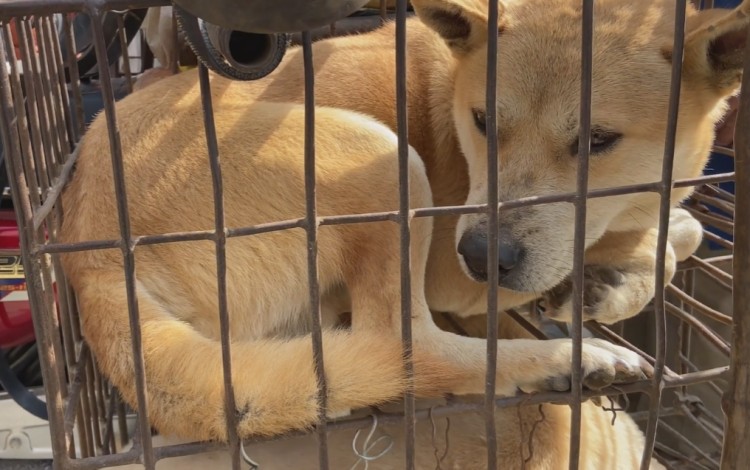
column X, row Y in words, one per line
column 599, row 283
column 599, row 379
column 625, row 365
column 560, row 383
column 625, row 372
column 603, row 364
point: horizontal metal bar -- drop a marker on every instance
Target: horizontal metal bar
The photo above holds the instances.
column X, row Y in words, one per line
column 711, row 219
column 49, row 248
column 617, row 339
column 729, row 152
column 526, row 325
column 265, row 228
column 697, row 325
column 56, row 189
column 133, row 455
column 685, row 441
column 718, row 259
column 716, row 273
column 714, row 200
column 391, row 216
column 726, row 244
column 699, row 306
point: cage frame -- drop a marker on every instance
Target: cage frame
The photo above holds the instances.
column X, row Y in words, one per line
column 85, row 395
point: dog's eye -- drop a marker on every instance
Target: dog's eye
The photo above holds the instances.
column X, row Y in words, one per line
column 602, row 141
column 480, row 120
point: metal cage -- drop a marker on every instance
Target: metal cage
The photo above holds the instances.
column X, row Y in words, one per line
column 42, row 122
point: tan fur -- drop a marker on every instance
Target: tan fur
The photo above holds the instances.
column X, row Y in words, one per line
column 540, row 436
column 151, row 76
column 261, row 145
column 266, row 275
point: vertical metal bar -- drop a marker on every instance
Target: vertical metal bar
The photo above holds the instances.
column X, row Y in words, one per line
column 38, row 138
column 86, row 443
column 75, row 319
column 175, row 67
column 579, row 239
column 125, row 54
column 66, row 136
column 735, row 401
column 100, row 391
column 74, row 79
column 220, row 241
column 493, row 235
column 81, row 433
column 311, row 227
column 49, row 352
column 59, row 68
column 109, row 433
column 30, row 168
column 402, row 129
column 47, row 296
column 47, row 106
column 685, row 332
column 665, row 192
column 30, row 172
column 69, row 341
column 121, row 419
column 90, row 386
column 55, row 100
column 127, row 246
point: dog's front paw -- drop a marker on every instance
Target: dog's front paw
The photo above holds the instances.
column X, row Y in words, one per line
column 685, row 233
column 602, row 296
column 603, row 364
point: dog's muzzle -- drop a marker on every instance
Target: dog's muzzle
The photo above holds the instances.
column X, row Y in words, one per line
column 473, row 248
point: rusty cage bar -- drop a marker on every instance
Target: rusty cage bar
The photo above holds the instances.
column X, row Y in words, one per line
column 42, row 123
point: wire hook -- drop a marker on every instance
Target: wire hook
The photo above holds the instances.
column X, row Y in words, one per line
column 252, row 463
column 367, row 446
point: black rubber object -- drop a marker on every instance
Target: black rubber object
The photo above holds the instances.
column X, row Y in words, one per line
column 271, row 16
column 18, row 391
column 211, row 58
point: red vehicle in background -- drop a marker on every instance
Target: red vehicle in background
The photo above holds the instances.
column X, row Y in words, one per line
column 20, row 372
column 16, row 327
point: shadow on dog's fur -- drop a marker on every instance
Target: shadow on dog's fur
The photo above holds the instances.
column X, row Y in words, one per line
column 260, row 133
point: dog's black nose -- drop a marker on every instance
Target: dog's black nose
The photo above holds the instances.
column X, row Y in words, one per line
column 509, row 253
column 473, row 248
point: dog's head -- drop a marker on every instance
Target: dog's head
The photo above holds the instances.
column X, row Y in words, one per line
column 538, row 96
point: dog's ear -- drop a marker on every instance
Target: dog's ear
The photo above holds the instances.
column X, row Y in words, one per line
column 715, row 42
column 461, row 23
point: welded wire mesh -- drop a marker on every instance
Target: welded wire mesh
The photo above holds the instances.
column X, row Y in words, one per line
column 42, row 123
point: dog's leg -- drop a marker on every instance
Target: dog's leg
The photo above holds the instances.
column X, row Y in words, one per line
column 374, row 287
column 372, row 273
column 529, row 364
column 620, row 272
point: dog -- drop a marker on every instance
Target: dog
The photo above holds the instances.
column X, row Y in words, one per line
column 260, row 140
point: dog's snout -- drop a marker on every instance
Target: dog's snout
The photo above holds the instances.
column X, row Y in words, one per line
column 508, row 254
column 473, row 248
